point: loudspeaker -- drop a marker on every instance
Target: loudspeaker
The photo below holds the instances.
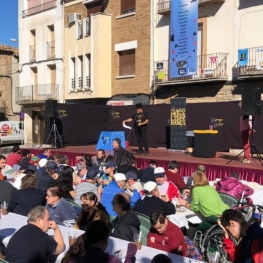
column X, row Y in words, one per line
column 251, row 101
column 51, row 108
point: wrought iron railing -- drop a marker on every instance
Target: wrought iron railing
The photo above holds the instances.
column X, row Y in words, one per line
column 87, row 33
column 32, row 53
column 33, row 93
column 87, row 82
column 39, row 8
column 80, row 82
column 80, row 30
column 73, row 83
column 51, row 49
column 209, row 66
column 254, row 62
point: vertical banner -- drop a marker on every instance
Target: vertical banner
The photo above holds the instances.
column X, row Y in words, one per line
column 183, row 38
column 178, row 124
column 242, row 57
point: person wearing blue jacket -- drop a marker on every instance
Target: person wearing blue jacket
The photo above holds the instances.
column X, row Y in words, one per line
column 118, row 185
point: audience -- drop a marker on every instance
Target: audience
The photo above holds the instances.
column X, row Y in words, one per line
column 14, row 157
column 231, row 186
column 92, row 210
column 173, row 175
column 200, row 168
column 161, row 258
column 24, row 161
column 2, row 166
column 46, row 153
column 6, row 191
column 27, row 197
column 132, row 183
column 126, row 223
column 90, row 247
column 99, row 159
column 167, row 189
column 164, row 235
column 59, row 209
column 119, row 152
column 151, row 201
column 31, row 244
column 148, row 173
column 130, row 166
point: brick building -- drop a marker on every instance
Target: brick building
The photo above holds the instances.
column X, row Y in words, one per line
column 8, row 81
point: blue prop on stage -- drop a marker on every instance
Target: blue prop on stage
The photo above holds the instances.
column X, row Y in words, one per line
column 106, row 138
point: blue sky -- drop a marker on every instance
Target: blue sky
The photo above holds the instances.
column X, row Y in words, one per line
column 8, row 22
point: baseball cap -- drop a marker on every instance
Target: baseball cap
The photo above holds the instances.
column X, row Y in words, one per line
column 42, row 162
column 92, row 173
column 159, row 172
column 119, row 177
column 149, row 186
column 110, row 163
column 138, row 106
column 32, row 167
column 131, row 175
column 51, row 165
column 80, row 166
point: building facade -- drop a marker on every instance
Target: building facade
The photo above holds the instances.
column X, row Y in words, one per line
column 9, row 79
column 41, row 61
column 107, row 49
column 224, row 27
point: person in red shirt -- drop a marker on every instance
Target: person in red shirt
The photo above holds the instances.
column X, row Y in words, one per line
column 164, row 235
column 167, row 189
column 173, row 175
column 14, row 157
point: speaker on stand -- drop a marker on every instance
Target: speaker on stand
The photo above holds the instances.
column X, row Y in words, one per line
column 251, row 101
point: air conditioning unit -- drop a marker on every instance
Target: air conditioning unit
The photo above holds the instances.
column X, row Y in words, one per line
column 74, row 17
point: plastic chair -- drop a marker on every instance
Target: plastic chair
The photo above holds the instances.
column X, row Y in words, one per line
column 144, row 227
column 76, row 207
column 228, row 199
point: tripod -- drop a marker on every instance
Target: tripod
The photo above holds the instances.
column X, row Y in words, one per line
column 54, row 133
column 252, row 146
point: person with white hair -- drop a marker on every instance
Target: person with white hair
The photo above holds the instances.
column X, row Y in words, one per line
column 152, row 201
column 118, row 185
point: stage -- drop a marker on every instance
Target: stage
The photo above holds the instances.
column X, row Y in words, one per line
column 216, row 167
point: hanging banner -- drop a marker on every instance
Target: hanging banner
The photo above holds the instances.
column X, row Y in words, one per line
column 243, row 57
column 183, row 38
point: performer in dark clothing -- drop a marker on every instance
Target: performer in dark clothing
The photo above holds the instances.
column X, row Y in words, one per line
column 140, row 119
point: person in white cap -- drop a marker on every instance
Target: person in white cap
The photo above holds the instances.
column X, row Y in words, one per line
column 151, row 201
column 118, row 185
column 167, row 189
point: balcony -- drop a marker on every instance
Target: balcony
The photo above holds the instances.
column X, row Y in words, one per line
column 39, row 8
column 87, row 33
column 164, row 6
column 210, row 67
column 80, row 86
column 50, row 49
column 254, row 67
column 2, row 106
column 32, row 53
column 80, row 30
column 73, row 84
column 36, row 93
column 87, row 83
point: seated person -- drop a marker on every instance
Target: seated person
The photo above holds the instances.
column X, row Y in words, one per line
column 126, row 223
column 118, row 185
column 27, row 197
column 173, row 175
column 249, row 248
column 91, row 210
column 205, row 200
column 148, row 173
column 167, row 189
column 133, row 183
column 31, row 243
column 164, row 235
column 59, row 209
column 90, row 247
column 189, row 183
column 231, row 186
column 161, row 258
column 151, row 201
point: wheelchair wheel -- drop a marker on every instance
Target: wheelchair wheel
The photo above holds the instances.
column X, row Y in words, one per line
column 214, row 243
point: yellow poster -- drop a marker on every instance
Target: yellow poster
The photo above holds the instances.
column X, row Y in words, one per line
column 178, row 117
column 161, row 75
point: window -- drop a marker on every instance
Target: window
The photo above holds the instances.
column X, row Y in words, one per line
column 32, row 47
column 72, row 73
column 127, row 6
column 127, row 62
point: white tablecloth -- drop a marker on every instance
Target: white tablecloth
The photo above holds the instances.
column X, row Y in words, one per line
column 143, row 256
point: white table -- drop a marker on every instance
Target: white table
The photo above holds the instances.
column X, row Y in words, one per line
column 145, row 255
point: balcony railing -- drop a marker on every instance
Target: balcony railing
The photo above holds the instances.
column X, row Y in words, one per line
column 164, row 6
column 254, row 66
column 32, row 53
column 209, row 67
column 39, row 8
column 80, row 30
column 87, row 83
column 73, row 84
column 80, row 83
column 87, row 33
column 50, row 49
column 36, row 93
column 2, row 106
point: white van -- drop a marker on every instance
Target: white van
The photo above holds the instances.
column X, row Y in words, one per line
column 11, row 132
